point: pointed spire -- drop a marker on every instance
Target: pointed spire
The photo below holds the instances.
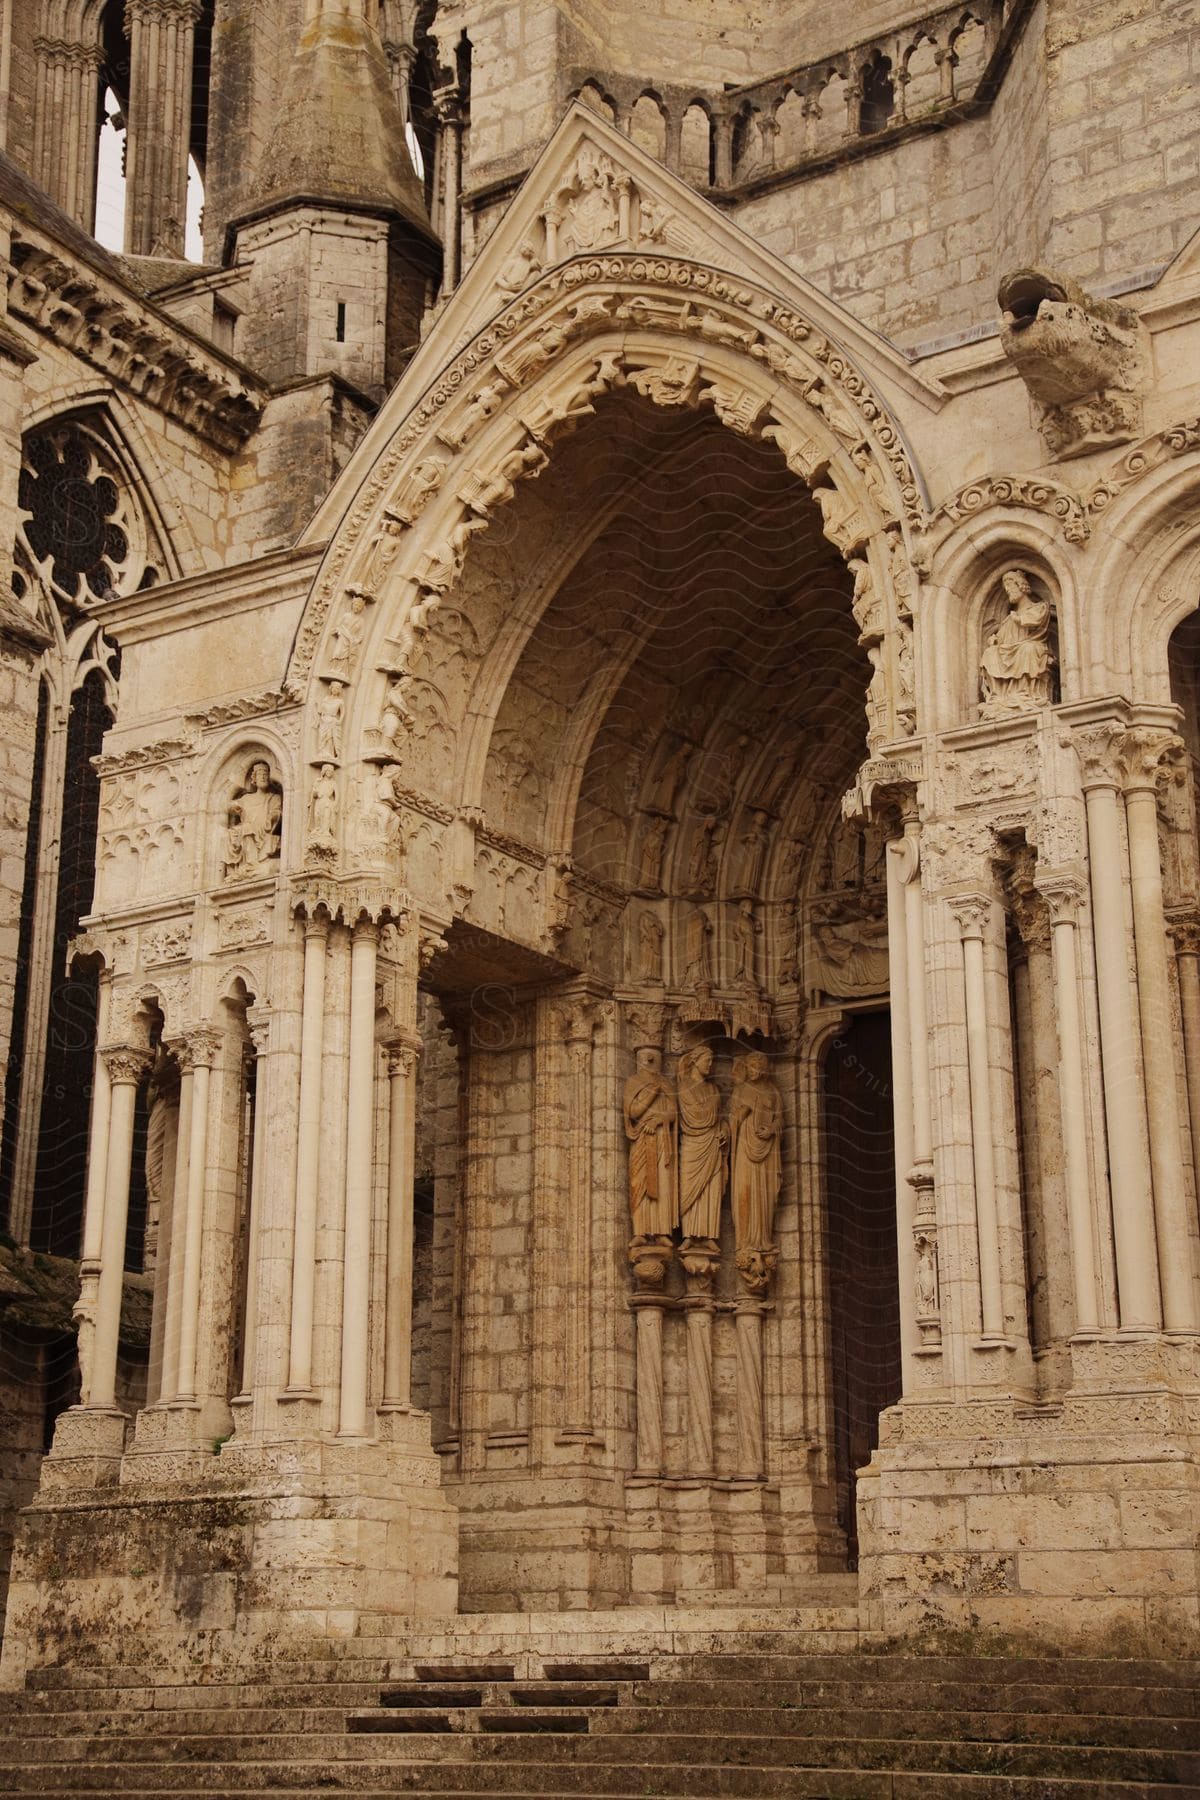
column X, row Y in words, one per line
column 338, row 134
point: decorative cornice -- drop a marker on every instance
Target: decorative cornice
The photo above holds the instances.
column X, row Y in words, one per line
column 131, row 342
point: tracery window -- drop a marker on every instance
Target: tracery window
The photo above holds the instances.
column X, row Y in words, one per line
column 83, row 537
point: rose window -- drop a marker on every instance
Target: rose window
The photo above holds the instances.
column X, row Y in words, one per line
column 81, row 526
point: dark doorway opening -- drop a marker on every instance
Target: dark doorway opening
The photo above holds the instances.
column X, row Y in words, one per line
column 864, row 1299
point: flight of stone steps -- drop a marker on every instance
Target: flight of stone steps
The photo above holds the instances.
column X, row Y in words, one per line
column 782, row 1722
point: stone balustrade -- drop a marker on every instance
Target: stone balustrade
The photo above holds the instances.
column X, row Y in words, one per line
column 941, row 67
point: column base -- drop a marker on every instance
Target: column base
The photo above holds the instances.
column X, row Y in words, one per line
column 1074, row 1523
column 279, row 1548
column 88, row 1446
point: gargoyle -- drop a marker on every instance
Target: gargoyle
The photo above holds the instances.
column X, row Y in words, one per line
column 1084, row 361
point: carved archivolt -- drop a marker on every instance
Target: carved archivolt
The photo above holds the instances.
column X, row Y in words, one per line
column 678, row 332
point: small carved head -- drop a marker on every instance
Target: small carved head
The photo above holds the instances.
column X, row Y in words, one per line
column 258, row 776
column 649, row 1058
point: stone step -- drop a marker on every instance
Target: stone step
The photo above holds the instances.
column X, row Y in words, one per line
column 803, row 1784
column 695, row 1781
column 746, row 1721
column 503, row 1745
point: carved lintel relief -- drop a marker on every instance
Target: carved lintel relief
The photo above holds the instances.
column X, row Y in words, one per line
column 1084, row 361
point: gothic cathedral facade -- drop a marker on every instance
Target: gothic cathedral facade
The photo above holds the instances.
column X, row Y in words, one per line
column 599, row 874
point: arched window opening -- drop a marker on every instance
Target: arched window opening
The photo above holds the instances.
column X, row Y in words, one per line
column 109, row 225
column 878, row 94
column 65, row 1098
column 648, row 127
column 696, row 158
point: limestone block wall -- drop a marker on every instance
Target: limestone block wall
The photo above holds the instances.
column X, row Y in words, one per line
column 1123, row 134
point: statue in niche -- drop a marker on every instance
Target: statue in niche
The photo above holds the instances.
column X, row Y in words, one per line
column 926, row 1275
column 252, row 831
column 379, row 814
column 651, row 1125
column 654, row 840
column 704, row 862
column 666, row 782
column 322, row 807
column 331, row 708
column 756, row 1132
column 651, row 932
column 697, row 963
column 1016, row 668
column 901, row 569
column 703, row 1146
column 754, row 855
column 348, row 635
column 745, row 935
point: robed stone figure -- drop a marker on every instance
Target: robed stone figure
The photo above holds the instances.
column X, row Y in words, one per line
column 650, row 1126
column 756, row 1128
column 703, row 1146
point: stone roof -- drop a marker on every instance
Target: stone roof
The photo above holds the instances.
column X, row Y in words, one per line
column 338, row 135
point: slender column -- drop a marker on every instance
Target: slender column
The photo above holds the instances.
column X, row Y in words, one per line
column 923, row 1210
column 449, row 113
column 1186, row 933
column 973, row 912
column 66, row 122
column 403, row 1054
column 895, row 863
column 649, row 1259
column 162, row 1257
column 84, row 1311
column 1062, row 896
column 203, row 1046
column 579, row 1026
column 699, row 1261
column 360, row 1136
column 1124, row 1102
column 722, row 127
column 308, row 1155
column 748, row 1323
column 126, row 1066
column 1143, row 753
column 260, row 1036
column 162, row 37
column 173, row 1303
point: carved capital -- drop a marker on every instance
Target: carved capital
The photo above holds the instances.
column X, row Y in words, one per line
column 1185, row 933
column 649, row 1258
column 1098, row 750
column 646, row 1026
column 161, row 12
column 1063, row 894
column 196, row 1048
column 1144, row 753
column 125, row 1063
column 403, row 1051
column 258, row 1023
column 973, row 913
